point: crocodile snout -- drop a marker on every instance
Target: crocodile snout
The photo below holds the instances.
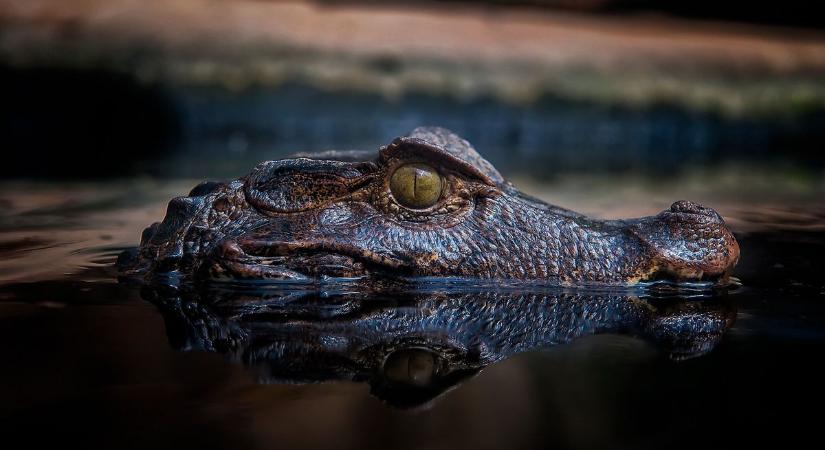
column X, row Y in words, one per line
column 688, row 241
column 688, row 207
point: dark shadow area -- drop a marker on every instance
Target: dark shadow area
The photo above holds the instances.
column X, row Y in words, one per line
column 796, row 13
column 64, row 123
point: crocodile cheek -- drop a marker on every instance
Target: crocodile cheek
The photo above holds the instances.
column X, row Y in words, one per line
column 340, row 215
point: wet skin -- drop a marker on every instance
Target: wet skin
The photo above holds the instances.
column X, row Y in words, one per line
column 411, row 347
column 426, row 205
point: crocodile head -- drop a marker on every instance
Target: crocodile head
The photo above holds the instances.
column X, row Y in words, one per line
column 426, row 205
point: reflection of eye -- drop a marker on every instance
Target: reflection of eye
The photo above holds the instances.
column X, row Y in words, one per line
column 416, row 186
column 410, row 366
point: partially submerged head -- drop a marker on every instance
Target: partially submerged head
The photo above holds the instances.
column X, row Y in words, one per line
column 426, row 205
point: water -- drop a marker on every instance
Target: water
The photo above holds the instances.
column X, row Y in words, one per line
column 103, row 364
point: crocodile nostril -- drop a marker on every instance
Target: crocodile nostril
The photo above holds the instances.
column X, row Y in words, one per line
column 685, row 206
column 688, row 207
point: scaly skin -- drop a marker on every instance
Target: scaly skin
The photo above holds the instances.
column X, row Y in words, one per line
column 334, row 214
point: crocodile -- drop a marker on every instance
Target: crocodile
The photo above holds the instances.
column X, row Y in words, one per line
column 425, row 205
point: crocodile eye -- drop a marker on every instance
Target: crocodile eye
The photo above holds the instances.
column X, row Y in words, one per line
column 416, row 186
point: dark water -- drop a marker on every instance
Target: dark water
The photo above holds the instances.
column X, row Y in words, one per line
column 90, row 361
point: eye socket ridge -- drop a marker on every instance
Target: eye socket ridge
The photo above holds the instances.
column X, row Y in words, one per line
column 467, row 161
column 416, row 185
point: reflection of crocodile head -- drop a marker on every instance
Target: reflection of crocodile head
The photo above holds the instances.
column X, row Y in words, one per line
column 413, row 347
column 426, row 204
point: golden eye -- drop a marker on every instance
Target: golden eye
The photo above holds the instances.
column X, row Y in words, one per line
column 416, row 186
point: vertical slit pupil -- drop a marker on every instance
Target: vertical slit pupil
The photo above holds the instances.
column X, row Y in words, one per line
column 416, row 185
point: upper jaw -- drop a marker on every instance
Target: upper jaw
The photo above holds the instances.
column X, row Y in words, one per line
column 684, row 243
column 687, row 242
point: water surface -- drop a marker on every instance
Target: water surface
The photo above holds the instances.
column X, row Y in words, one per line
column 103, row 364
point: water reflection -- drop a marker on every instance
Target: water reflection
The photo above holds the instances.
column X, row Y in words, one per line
column 412, row 347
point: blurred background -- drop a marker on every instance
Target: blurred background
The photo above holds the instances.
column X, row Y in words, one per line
column 206, row 88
